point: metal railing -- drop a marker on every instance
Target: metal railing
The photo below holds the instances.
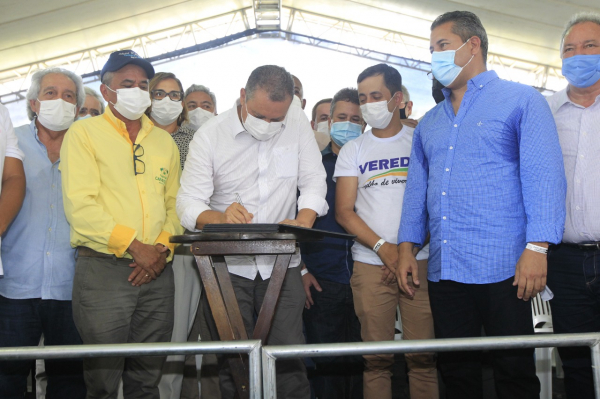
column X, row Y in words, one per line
column 251, row 347
column 271, row 353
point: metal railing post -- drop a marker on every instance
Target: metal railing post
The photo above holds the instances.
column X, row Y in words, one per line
column 595, row 348
column 254, row 360
column 269, row 378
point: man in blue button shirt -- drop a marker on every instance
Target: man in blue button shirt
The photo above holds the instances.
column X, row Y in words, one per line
column 39, row 263
column 486, row 179
column 329, row 315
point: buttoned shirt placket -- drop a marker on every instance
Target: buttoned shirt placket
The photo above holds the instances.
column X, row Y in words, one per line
column 445, row 211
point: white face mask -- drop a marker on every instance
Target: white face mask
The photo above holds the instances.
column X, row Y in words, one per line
column 132, row 102
column 323, row 127
column 377, row 114
column 199, row 117
column 296, row 101
column 165, row 111
column 259, row 129
column 56, row 115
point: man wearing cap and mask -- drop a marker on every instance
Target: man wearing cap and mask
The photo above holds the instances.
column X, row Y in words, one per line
column 329, row 316
column 259, row 153
column 486, row 181
column 574, row 264
column 371, row 180
column 39, row 263
column 120, row 178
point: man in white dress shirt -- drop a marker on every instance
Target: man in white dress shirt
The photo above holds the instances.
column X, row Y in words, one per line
column 263, row 151
column 574, row 265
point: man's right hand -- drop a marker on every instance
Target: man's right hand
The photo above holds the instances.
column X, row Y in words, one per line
column 236, row 214
column 147, row 257
column 407, row 264
column 388, row 253
column 308, row 280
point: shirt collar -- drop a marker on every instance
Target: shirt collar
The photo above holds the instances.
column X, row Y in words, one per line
column 476, row 82
column 120, row 127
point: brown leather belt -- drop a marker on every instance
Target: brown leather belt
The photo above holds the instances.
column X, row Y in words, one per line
column 90, row 253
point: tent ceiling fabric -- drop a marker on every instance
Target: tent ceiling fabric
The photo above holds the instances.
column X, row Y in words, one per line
column 33, row 30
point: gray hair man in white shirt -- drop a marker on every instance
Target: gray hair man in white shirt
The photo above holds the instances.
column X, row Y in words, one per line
column 574, row 265
column 262, row 151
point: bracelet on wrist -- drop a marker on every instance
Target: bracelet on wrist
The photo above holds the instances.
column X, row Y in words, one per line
column 536, row 248
column 378, row 245
column 303, row 272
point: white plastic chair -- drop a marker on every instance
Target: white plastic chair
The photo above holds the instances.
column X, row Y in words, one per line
column 542, row 324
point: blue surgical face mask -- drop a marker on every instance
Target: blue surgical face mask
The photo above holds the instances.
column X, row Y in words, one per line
column 443, row 67
column 582, row 70
column 343, row 132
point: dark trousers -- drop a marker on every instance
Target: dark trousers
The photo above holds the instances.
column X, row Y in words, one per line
column 107, row 309
column 574, row 277
column 461, row 310
column 286, row 329
column 330, row 320
column 22, row 323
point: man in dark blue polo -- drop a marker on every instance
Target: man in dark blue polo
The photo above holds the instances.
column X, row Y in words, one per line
column 329, row 315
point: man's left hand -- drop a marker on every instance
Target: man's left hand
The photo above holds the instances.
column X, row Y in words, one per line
column 530, row 273
column 293, row 222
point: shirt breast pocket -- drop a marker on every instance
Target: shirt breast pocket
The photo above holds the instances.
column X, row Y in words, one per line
column 286, row 162
column 160, row 173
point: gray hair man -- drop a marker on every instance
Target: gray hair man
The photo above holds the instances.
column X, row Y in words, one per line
column 574, row 265
column 120, row 176
column 320, row 123
column 93, row 105
column 201, row 104
column 263, row 151
column 37, row 285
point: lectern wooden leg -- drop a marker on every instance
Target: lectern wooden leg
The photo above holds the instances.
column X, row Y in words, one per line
column 267, row 310
column 223, row 321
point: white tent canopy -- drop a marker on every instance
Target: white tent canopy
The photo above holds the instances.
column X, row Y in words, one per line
column 524, row 34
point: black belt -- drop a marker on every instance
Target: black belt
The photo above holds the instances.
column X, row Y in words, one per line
column 584, row 246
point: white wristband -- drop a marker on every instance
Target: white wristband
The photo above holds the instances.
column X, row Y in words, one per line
column 378, row 245
column 304, row 271
column 536, row 248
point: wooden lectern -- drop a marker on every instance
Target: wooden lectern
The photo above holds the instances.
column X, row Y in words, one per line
column 210, row 248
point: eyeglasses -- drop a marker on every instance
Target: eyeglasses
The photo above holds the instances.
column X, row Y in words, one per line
column 138, row 152
column 173, row 95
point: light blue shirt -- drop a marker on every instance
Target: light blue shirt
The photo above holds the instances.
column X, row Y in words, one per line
column 36, row 251
column 484, row 182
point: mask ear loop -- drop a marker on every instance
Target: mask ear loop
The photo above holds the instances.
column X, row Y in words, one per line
column 393, row 95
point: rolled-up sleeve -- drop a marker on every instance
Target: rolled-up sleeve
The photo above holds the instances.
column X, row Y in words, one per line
column 311, row 173
column 542, row 172
column 196, row 182
column 413, row 223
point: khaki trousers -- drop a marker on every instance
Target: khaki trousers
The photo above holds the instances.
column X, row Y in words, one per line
column 375, row 304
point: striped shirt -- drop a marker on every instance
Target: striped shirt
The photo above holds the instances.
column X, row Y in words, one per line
column 579, row 134
column 484, row 181
column 224, row 161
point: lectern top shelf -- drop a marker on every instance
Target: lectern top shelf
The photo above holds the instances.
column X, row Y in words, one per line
column 256, row 231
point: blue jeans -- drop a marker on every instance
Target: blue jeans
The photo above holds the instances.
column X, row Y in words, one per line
column 22, row 323
column 330, row 320
column 574, row 277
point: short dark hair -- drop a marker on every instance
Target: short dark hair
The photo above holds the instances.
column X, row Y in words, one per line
column 391, row 76
column 275, row 80
column 314, row 110
column 466, row 25
column 348, row 94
